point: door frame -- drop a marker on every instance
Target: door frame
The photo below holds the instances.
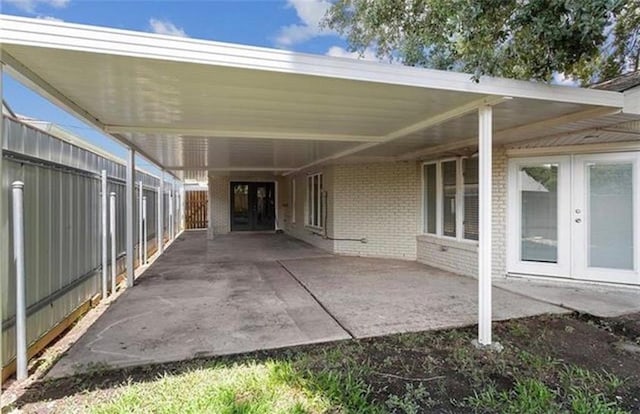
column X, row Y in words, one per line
column 242, row 180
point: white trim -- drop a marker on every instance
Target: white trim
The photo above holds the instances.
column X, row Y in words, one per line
column 68, row 36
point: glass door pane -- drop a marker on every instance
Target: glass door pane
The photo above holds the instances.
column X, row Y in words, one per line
column 240, row 213
column 610, row 215
column 539, row 213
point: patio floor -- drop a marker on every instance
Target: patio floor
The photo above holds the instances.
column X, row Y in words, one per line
column 245, row 292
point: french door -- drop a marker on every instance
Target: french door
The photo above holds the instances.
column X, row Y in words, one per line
column 575, row 217
column 253, row 206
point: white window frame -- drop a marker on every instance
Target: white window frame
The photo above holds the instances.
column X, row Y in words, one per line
column 310, row 205
column 293, row 201
column 459, row 199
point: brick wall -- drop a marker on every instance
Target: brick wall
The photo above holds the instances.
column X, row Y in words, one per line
column 379, row 202
column 218, row 205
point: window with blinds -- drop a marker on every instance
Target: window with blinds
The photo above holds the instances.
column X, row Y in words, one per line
column 471, row 205
column 455, row 198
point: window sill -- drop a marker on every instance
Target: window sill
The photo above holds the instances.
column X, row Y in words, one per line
column 468, row 245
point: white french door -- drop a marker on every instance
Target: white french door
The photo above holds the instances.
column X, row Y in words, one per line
column 575, row 217
column 605, row 217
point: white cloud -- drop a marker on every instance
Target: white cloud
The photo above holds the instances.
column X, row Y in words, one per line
column 30, row 5
column 310, row 13
column 165, row 27
column 49, row 18
column 559, row 78
column 337, row 51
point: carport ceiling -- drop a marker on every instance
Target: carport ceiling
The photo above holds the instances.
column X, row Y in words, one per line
column 197, row 105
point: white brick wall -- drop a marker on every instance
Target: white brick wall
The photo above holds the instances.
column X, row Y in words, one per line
column 379, row 202
column 218, row 205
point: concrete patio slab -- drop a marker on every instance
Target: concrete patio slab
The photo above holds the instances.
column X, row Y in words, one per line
column 598, row 300
column 186, row 305
column 245, row 292
column 374, row 297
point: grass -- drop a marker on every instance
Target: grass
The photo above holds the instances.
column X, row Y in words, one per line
column 409, row 373
column 248, row 387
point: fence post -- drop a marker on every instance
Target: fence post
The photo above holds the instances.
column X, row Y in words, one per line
column 140, row 195
column 21, row 291
column 105, row 230
column 159, row 234
column 144, row 230
column 129, row 226
column 112, row 231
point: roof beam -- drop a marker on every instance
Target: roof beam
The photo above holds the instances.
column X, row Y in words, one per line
column 213, row 133
column 418, row 126
column 238, row 169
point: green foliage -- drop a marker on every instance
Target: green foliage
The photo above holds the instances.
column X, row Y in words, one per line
column 523, row 39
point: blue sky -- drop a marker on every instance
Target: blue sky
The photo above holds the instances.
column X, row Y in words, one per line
column 287, row 24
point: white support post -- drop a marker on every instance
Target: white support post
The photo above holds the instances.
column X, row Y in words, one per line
column 21, row 289
column 3, row 230
column 159, row 238
column 171, row 213
column 129, row 226
column 144, row 230
column 485, row 130
column 140, row 228
column 112, row 233
column 105, row 232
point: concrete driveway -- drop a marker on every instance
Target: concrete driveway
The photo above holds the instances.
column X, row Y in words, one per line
column 245, row 292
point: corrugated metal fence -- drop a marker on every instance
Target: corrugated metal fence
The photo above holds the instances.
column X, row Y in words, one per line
column 62, row 212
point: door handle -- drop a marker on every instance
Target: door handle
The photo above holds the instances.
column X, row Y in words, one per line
column 578, row 220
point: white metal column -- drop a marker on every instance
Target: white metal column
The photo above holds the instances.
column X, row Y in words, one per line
column 105, row 231
column 160, row 237
column 140, row 228
column 112, row 233
column 129, row 226
column 21, row 289
column 144, row 230
column 3, row 230
column 485, row 129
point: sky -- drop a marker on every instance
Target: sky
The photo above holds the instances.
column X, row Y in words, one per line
column 286, row 24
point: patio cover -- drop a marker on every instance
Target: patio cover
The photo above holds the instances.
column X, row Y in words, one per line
column 191, row 105
column 194, row 105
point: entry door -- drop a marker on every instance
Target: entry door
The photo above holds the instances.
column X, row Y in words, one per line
column 253, row 206
column 605, row 217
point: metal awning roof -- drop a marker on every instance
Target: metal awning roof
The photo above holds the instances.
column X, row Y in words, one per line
column 190, row 104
